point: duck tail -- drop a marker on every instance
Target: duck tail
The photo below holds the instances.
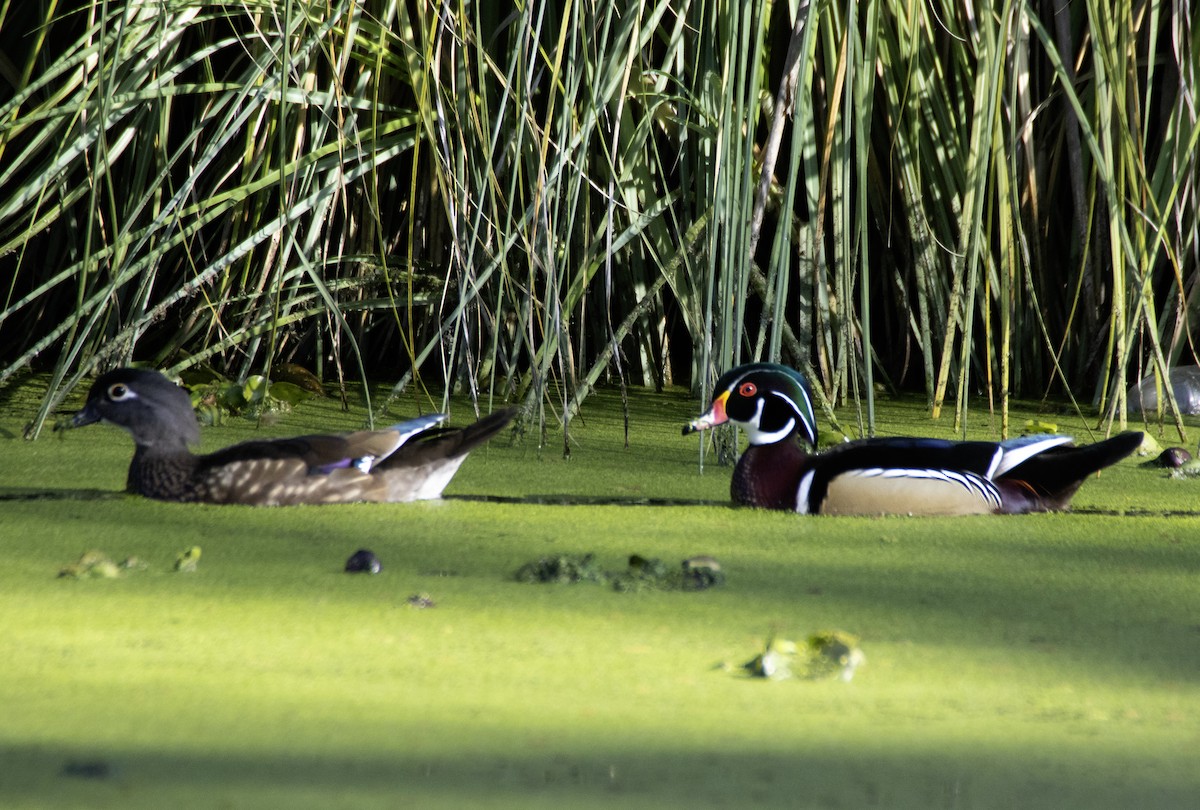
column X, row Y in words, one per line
column 1047, row 481
column 447, row 443
column 474, row 435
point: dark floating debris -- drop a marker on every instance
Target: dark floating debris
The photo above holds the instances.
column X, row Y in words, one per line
column 421, row 601
column 641, row 573
column 1172, row 458
column 363, row 561
column 701, row 572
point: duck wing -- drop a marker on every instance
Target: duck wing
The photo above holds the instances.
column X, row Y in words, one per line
column 321, row 454
column 939, row 477
column 915, row 476
column 318, row 468
column 423, row 467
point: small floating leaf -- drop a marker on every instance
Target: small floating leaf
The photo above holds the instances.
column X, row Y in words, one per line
column 774, row 662
column 187, row 560
column 298, row 376
column 421, row 601
column 288, row 393
column 255, row 389
column 826, row 654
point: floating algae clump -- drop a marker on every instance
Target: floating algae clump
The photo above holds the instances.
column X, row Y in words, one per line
column 98, row 565
column 641, row 573
column 565, row 569
column 91, row 565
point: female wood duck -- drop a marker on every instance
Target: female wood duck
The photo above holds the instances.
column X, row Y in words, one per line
column 773, row 405
column 407, row 462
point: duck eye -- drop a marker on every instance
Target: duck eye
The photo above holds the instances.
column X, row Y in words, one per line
column 747, row 389
column 118, row 392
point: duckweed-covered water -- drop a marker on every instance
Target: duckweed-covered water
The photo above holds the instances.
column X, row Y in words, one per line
column 1047, row 661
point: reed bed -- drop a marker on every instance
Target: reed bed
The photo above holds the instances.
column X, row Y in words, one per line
column 525, row 200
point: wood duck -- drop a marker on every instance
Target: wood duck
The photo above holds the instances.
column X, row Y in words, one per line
column 411, row 461
column 916, row 476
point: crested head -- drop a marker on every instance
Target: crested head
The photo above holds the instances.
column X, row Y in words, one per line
column 769, row 401
column 155, row 411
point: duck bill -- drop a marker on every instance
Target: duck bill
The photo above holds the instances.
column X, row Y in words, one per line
column 88, row 416
column 715, row 416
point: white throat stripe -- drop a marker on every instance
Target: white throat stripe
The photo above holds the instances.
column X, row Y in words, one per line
column 803, row 491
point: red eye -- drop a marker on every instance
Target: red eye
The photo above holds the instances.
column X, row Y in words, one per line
column 747, row 389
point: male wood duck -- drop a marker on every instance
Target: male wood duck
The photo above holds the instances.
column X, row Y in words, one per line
column 773, row 404
column 411, row 461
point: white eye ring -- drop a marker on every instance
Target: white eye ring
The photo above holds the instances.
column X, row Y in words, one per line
column 119, row 392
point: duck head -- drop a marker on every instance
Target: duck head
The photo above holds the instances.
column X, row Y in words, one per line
column 769, row 401
column 155, row 411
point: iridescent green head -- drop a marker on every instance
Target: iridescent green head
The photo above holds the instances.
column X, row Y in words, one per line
column 769, row 401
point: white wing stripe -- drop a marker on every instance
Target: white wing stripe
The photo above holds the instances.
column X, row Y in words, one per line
column 995, row 465
column 1012, row 456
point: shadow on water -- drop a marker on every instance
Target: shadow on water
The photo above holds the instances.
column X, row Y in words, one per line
column 841, row 773
column 606, row 500
column 551, row 499
column 586, row 500
column 60, row 495
column 17, row 495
